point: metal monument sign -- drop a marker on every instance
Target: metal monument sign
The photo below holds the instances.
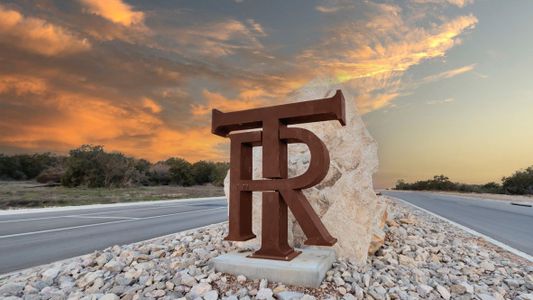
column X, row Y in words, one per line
column 279, row 191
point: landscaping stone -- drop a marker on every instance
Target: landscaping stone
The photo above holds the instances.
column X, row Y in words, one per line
column 423, row 259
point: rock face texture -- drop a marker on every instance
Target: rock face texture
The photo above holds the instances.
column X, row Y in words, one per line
column 345, row 200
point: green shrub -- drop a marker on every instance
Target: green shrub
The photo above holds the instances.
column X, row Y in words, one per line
column 202, row 171
column 91, row 166
column 51, row 175
column 159, row 174
column 443, row 183
column 26, row 166
column 219, row 173
column 180, row 171
column 520, row 183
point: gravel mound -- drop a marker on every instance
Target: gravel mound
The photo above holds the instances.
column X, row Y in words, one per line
column 423, row 258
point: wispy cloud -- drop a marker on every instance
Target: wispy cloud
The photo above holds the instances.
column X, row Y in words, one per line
column 333, row 6
column 443, row 101
column 458, row 3
column 220, row 38
column 372, row 55
column 449, row 73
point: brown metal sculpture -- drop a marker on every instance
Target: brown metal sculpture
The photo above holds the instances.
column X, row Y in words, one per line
column 279, row 191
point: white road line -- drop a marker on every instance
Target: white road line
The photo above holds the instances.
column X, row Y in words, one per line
column 30, row 219
column 103, row 223
column 60, row 262
column 472, row 231
column 92, row 206
column 100, row 217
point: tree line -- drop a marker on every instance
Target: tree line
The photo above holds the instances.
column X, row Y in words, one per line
column 91, row 166
column 519, row 183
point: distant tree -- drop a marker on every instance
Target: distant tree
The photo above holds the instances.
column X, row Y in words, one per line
column 51, row 175
column 26, row 166
column 91, row 166
column 118, row 170
column 219, row 172
column 159, row 174
column 143, row 168
column 492, row 187
column 401, row 185
column 142, row 165
column 10, row 168
column 83, row 167
column 443, row 183
column 202, row 171
column 520, row 183
column 180, row 171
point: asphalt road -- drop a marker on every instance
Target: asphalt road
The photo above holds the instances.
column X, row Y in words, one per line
column 506, row 223
column 35, row 238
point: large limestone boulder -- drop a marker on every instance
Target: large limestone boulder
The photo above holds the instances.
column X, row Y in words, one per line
column 345, row 200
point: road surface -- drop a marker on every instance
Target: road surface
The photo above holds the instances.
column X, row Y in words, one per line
column 506, row 223
column 35, row 238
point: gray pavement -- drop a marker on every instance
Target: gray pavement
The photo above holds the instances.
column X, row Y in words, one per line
column 506, row 223
column 34, row 238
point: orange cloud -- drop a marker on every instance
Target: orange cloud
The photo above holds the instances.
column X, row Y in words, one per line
column 414, row 47
column 115, row 11
column 193, row 144
column 249, row 99
column 21, row 85
column 111, row 96
column 81, row 119
column 37, row 35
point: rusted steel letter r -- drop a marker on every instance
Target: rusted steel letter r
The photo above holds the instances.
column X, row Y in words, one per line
column 279, row 191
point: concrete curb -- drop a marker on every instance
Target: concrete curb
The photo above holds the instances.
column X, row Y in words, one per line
column 471, row 231
column 92, row 206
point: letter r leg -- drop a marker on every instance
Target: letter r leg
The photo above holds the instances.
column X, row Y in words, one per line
column 274, row 228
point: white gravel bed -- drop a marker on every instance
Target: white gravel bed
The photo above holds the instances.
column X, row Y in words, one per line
column 423, row 258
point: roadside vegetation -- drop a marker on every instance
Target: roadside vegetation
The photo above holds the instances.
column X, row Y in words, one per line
column 519, row 183
column 30, row 194
column 89, row 175
column 92, row 167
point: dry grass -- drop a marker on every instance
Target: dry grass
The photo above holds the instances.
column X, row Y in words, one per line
column 16, row 194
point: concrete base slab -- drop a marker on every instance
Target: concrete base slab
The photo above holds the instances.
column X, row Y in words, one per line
column 307, row 269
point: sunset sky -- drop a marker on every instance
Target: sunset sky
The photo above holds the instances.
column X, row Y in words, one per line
column 444, row 86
